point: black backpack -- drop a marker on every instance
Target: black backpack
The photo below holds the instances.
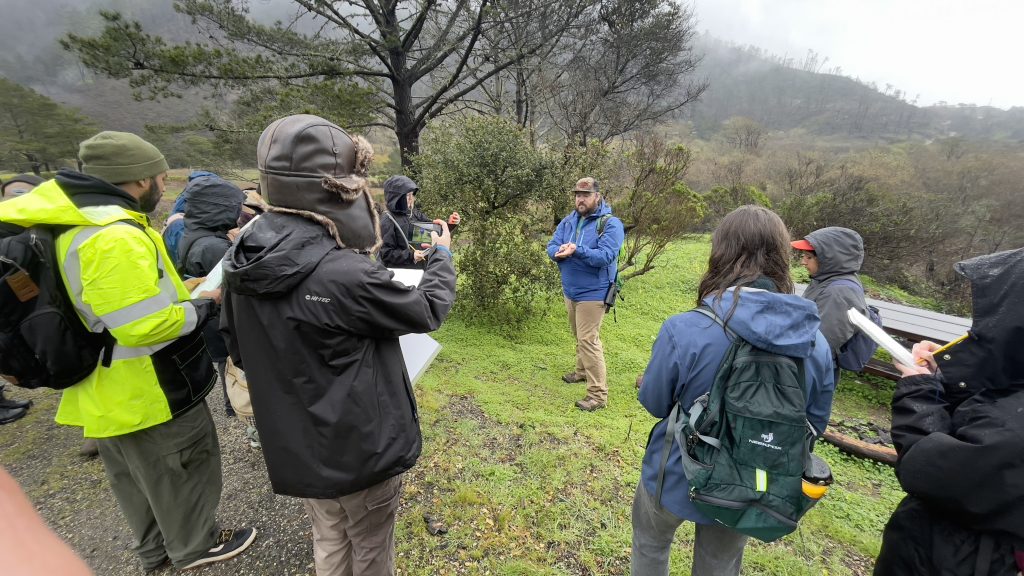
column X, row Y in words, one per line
column 859, row 349
column 746, row 443
column 43, row 342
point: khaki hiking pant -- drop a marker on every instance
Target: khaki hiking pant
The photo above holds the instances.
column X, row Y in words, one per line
column 585, row 323
column 354, row 535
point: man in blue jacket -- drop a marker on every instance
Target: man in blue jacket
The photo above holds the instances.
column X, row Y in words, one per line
column 586, row 248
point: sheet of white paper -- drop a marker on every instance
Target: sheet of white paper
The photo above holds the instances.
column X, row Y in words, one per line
column 898, row 352
column 212, row 282
column 419, row 351
column 408, row 276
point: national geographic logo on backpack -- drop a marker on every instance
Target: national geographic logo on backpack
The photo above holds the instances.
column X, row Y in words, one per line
column 765, row 441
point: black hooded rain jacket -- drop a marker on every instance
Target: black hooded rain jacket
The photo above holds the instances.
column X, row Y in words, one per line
column 959, row 437
column 330, row 393
column 395, row 252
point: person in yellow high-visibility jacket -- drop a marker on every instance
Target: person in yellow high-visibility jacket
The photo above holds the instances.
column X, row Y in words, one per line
column 147, row 408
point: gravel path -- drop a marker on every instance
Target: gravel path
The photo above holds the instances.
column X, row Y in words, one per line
column 72, row 495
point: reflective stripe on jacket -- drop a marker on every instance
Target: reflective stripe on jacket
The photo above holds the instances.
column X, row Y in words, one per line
column 120, row 278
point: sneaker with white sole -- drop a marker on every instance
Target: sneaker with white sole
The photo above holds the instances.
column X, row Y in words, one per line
column 254, row 438
column 230, row 543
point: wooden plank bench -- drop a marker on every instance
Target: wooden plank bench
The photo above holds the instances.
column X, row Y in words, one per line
column 911, row 324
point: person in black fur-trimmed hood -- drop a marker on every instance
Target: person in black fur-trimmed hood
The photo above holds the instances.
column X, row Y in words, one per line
column 314, row 321
column 958, row 427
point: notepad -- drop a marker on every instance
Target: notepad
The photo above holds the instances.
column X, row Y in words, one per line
column 865, row 325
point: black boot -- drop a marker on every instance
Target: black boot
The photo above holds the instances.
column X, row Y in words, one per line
column 8, row 403
column 8, row 415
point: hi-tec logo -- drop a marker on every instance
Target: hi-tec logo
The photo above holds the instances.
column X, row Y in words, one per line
column 323, row 299
column 765, row 441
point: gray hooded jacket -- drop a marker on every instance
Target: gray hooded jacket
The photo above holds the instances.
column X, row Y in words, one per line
column 840, row 253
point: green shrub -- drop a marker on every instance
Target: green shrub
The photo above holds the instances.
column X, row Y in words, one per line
column 505, row 276
column 486, row 169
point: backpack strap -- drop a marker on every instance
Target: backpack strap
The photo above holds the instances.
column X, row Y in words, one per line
column 601, row 222
column 710, row 313
column 696, row 410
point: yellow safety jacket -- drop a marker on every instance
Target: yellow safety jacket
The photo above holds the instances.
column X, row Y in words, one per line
column 119, row 276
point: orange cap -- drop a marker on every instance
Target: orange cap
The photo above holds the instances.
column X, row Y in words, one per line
column 802, row 245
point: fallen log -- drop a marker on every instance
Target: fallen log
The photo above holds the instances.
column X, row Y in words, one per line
column 859, row 448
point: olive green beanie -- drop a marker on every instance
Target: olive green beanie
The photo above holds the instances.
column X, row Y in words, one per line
column 120, row 157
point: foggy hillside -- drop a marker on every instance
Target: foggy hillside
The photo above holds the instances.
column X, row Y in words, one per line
column 785, row 95
column 744, row 81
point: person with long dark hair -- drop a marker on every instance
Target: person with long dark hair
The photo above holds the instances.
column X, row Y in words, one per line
column 748, row 286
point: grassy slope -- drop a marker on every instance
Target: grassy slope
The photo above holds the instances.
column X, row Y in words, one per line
column 528, row 484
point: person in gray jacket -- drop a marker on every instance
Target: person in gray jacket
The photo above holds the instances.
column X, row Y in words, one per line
column 833, row 257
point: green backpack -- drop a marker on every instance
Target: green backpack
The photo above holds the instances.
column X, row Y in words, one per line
column 746, row 443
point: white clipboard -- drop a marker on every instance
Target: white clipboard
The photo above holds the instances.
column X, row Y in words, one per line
column 419, row 350
column 898, row 352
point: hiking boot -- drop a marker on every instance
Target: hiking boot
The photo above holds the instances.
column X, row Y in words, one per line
column 90, row 448
column 8, row 415
column 12, row 404
column 574, row 377
column 590, row 404
column 230, row 543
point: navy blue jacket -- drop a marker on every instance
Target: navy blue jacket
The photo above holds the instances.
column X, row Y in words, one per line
column 686, row 356
column 588, row 272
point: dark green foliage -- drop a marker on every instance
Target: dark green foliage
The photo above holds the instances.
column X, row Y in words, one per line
column 224, row 138
column 390, row 46
column 37, row 133
column 505, row 275
column 486, row 169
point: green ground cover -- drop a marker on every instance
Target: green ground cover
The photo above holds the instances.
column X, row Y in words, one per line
column 528, row 484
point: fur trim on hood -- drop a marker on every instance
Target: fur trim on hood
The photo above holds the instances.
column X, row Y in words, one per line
column 349, row 195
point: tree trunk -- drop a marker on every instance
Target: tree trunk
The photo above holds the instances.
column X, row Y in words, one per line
column 882, row 454
column 406, row 129
column 408, row 144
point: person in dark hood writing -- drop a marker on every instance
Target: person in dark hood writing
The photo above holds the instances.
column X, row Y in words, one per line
column 314, row 321
column 958, row 428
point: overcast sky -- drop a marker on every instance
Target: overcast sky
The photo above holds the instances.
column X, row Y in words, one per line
column 952, row 50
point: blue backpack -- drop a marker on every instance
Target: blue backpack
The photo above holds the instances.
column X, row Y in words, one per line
column 859, row 349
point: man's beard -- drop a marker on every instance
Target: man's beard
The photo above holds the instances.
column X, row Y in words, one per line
column 151, row 198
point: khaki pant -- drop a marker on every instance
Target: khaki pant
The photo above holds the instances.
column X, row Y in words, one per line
column 585, row 324
column 354, row 535
column 167, row 481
